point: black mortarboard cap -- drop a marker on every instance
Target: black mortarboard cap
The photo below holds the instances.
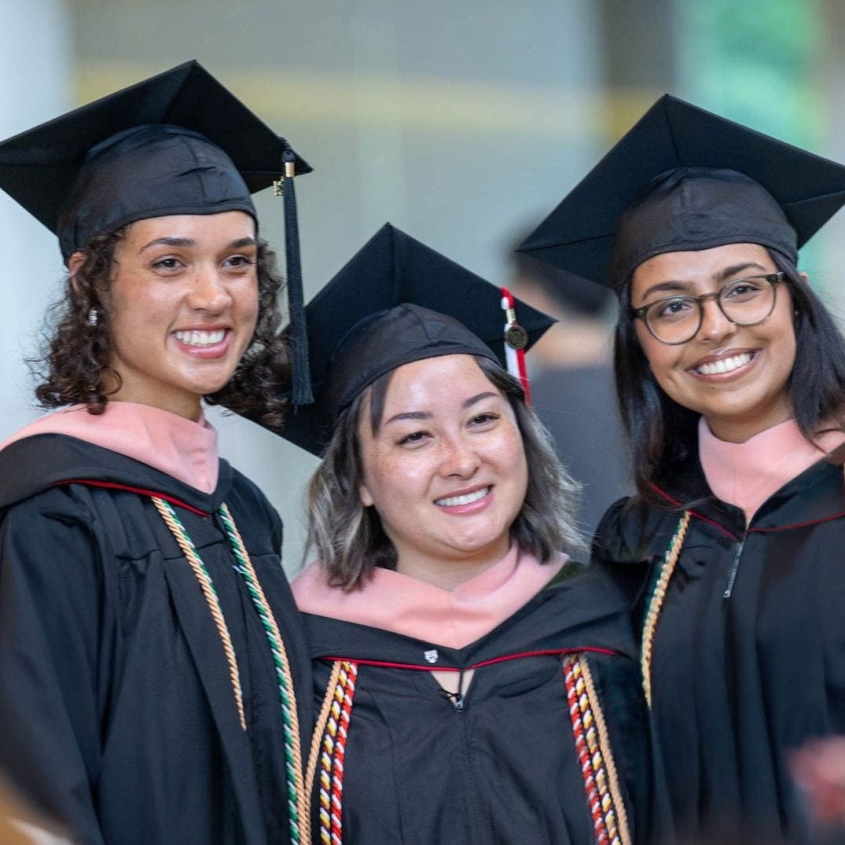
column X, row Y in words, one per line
column 687, row 179
column 177, row 143
column 396, row 301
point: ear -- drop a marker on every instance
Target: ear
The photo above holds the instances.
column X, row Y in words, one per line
column 804, row 278
column 74, row 263
column 366, row 498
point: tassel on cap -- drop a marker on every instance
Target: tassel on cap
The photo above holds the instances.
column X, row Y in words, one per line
column 516, row 339
column 301, row 389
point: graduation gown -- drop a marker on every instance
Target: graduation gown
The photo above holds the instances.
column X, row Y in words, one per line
column 748, row 648
column 402, row 761
column 117, row 712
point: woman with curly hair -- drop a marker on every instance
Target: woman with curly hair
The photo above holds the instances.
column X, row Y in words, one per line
column 730, row 374
column 152, row 664
column 469, row 691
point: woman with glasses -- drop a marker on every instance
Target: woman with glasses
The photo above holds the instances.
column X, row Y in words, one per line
column 731, row 382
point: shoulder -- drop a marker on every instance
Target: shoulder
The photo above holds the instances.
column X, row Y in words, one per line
column 631, row 530
column 245, row 496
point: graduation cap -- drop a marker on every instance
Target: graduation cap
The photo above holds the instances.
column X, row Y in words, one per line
column 177, row 143
column 396, row 301
column 686, row 179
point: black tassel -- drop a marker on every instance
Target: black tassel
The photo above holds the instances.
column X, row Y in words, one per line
column 301, row 388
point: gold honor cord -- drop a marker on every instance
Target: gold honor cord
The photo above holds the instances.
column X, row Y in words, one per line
column 655, row 604
column 298, row 810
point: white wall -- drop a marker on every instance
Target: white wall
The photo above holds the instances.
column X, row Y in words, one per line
column 35, row 85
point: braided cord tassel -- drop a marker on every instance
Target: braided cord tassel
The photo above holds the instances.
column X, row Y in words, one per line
column 168, row 514
column 656, row 602
column 614, row 793
column 300, row 822
column 342, row 695
column 599, row 779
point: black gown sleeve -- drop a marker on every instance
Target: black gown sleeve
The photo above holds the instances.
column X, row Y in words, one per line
column 57, row 639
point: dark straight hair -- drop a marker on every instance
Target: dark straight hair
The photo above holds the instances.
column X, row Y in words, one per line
column 662, row 432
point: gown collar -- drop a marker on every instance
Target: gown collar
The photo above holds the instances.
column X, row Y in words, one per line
column 747, row 474
column 176, row 446
column 398, row 603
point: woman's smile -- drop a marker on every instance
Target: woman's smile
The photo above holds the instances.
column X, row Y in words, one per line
column 736, row 376
column 446, row 469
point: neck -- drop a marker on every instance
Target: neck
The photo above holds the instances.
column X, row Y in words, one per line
column 739, row 431
column 449, row 574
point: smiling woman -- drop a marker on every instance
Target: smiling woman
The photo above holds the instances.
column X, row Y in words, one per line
column 731, row 379
column 182, row 308
column 734, row 372
column 438, row 609
column 153, row 673
column 444, row 468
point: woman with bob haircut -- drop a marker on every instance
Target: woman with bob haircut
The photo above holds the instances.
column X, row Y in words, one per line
column 467, row 691
column 153, row 671
column 730, row 375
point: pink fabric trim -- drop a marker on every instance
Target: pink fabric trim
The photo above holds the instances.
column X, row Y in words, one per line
column 183, row 449
column 405, row 605
column 747, row 474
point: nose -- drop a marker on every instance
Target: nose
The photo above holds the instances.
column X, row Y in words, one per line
column 208, row 290
column 458, row 458
column 715, row 326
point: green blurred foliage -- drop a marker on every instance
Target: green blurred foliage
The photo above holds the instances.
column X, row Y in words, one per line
column 756, row 61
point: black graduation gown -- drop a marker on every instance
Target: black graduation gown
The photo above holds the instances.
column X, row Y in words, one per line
column 117, row 713
column 749, row 649
column 499, row 765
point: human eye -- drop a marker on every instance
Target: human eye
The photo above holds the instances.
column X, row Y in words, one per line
column 413, row 438
column 167, row 264
column 240, row 262
column 741, row 290
column 484, row 420
column 672, row 309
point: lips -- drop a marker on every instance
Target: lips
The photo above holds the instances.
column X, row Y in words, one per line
column 724, row 365
column 465, row 499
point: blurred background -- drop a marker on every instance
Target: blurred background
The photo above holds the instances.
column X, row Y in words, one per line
column 461, row 122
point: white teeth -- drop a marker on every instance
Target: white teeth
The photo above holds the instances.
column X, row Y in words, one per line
column 725, row 365
column 452, row 501
column 196, row 338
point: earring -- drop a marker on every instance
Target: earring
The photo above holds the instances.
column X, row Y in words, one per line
column 93, row 317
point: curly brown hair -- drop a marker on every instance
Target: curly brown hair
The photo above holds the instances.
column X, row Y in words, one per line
column 74, row 365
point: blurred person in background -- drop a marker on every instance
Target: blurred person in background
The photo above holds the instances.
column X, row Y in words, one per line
column 572, row 382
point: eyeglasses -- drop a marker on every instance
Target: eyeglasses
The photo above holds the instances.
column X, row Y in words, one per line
column 745, row 302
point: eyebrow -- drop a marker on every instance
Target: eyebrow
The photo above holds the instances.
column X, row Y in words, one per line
column 673, row 285
column 427, row 415
column 240, row 243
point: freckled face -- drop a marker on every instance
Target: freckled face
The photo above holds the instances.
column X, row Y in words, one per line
column 182, row 306
column 737, row 377
column 446, row 471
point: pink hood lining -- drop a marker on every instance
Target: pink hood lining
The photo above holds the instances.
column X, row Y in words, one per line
column 181, row 448
column 403, row 605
